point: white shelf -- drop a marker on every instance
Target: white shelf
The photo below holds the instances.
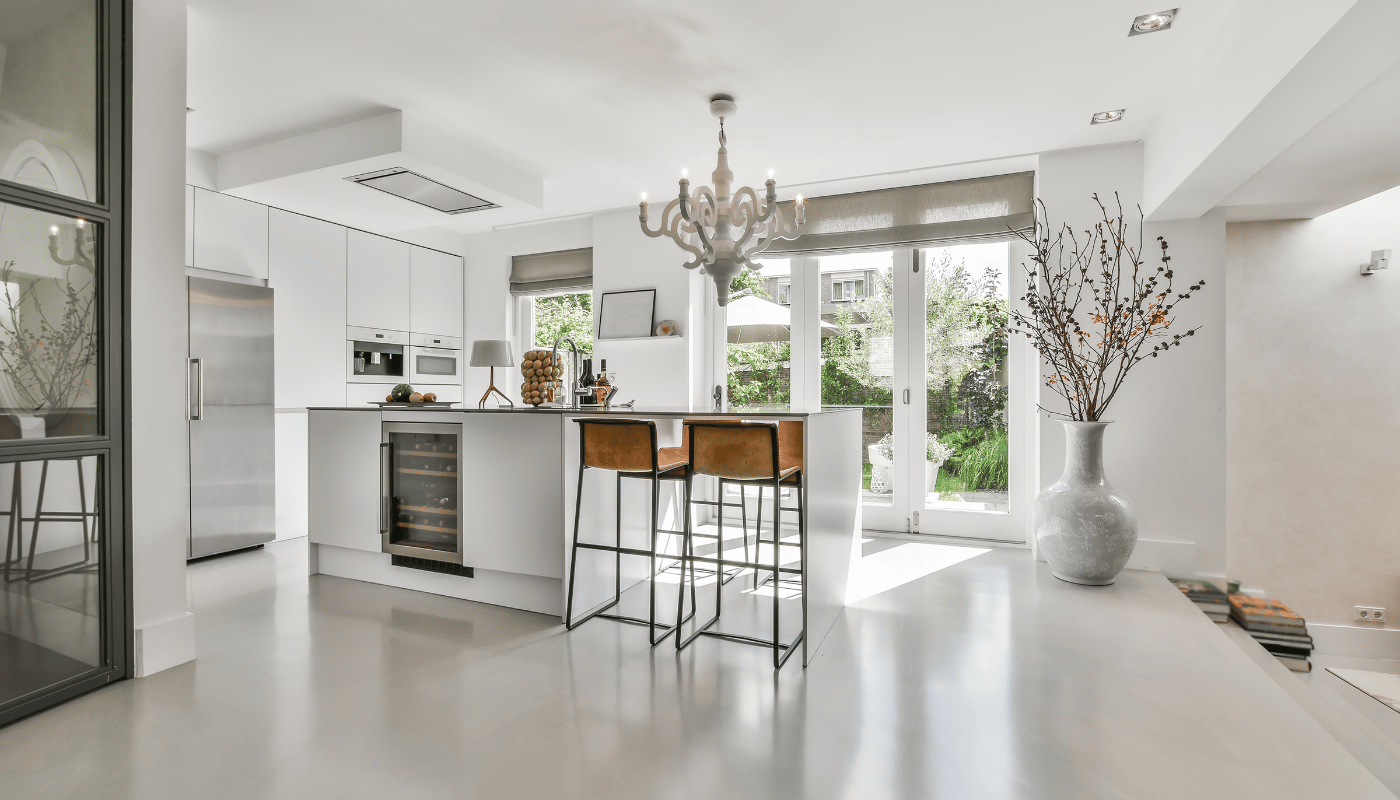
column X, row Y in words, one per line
column 677, row 337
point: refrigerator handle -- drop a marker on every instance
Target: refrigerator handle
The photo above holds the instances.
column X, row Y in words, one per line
column 383, row 488
column 196, row 379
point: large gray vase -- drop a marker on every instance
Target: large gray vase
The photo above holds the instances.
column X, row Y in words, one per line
column 1085, row 528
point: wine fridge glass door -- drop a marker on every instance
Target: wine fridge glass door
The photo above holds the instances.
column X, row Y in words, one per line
column 421, row 491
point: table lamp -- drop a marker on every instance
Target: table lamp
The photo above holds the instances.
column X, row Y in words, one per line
column 492, row 353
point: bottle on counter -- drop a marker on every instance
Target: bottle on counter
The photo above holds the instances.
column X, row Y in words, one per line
column 602, row 385
column 588, row 382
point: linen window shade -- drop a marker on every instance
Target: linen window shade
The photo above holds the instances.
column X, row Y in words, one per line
column 911, row 216
column 548, row 273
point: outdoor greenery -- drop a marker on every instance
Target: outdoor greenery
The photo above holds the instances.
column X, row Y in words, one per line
column 568, row 315
column 966, row 347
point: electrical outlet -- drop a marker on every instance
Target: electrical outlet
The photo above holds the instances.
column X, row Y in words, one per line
column 1370, row 614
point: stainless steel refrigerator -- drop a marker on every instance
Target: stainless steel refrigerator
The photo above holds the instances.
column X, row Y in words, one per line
column 232, row 483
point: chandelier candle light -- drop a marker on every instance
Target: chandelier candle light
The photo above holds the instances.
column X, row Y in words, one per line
column 704, row 224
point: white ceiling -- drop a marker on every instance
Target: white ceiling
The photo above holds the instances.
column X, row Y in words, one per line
column 605, row 98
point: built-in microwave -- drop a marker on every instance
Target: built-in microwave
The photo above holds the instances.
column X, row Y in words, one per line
column 434, row 359
column 376, row 356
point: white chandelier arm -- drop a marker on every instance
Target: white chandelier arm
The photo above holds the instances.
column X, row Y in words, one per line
column 674, row 226
column 698, row 213
column 748, row 212
column 778, row 228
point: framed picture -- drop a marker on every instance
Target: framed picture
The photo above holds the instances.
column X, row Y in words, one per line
column 623, row 315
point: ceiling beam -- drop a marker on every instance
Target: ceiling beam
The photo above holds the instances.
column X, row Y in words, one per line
column 1272, row 72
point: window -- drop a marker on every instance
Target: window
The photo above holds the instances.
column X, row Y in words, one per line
column 847, row 290
column 785, row 294
column 559, row 315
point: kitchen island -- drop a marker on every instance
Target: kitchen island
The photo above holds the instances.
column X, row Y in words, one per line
column 506, row 514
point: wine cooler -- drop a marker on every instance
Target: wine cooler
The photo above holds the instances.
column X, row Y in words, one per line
column 421, row 491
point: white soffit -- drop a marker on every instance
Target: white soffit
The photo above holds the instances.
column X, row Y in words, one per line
column 1243, row 105
column 307, row 172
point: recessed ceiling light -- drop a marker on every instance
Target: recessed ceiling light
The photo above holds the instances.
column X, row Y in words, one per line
column 1104, row 117
column 1151, row 23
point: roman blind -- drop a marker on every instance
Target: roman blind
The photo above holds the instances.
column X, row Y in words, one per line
column 547, row 273
column 911, row 216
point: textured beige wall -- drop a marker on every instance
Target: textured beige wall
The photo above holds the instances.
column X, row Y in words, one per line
column 1313, row 411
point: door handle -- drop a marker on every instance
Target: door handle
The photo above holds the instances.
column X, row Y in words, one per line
column 906, row 397
column 196, row 379
column 383, row 488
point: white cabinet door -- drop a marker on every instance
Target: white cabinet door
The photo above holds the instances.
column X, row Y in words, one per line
column 307, row 275
column 189, row 226
column 343, row 484
column 377, row 292
column 437, row 292
column 291, row 474
column 230, row 234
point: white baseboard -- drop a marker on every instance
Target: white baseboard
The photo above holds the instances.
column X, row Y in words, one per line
column 509, row 589
column 1356, row 641
column 164, row 645
column 1173, row 558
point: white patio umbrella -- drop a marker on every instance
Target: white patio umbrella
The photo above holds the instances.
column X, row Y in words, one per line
column 753, row 319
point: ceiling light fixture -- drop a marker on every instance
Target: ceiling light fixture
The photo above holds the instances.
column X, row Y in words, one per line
column 1151, row 23
column 1104, row 117
column 705, row 224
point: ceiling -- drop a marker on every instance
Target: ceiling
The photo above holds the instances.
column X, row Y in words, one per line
column 597, row 101
column 607, row 98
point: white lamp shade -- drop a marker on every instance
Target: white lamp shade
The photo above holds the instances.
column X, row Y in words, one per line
column 492, row 353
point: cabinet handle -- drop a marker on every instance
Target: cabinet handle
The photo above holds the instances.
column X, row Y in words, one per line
column 196, row 389
column 383, row 488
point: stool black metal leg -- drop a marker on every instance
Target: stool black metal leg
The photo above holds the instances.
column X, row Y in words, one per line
column 14, row 534
column 569, row 622
column 82, row 508
column 617, row 542
column 777, row 562
column 38, row 514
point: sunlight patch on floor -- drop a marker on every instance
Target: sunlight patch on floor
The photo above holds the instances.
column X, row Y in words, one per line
column 887, row 569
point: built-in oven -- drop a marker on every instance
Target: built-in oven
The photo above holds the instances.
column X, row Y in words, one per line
column 434, row 360
column 420, row 482
column 376, row 356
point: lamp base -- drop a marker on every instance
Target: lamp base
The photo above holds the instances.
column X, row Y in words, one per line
column 492, row 388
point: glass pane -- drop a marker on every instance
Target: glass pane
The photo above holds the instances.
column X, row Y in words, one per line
column 48, row 96
column 50, row 581
column 568, row 315
column 759, row 353
column 423, row 492
column 857, row 360
column 436, row 365
column 48, row 325
column 966, row 465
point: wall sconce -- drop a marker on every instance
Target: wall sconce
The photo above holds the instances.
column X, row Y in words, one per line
column 1380, row 259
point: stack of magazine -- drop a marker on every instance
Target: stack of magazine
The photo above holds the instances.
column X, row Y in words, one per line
column 1274, row 625
column 1215, row 603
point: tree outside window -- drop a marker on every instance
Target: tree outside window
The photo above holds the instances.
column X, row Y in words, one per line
column 568, row 315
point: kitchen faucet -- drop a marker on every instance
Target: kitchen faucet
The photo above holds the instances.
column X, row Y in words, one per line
column 575, row 368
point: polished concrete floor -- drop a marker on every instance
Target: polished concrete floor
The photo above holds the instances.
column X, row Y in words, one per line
column 961, row 674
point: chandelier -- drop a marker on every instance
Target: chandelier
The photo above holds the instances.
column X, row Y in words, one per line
column 724, row 232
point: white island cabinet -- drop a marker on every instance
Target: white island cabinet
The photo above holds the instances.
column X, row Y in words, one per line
column 437, row 293
column 345, row 481
column 378, row 275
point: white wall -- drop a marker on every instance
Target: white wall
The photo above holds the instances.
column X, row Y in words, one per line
column 487, row 286
column 160, row 507
column 1314, row 410
column 1166, row 449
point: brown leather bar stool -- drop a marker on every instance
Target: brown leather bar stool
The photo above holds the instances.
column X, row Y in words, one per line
column 789, row 455
column 683, row 453
column 628, row 448
column 746, row 454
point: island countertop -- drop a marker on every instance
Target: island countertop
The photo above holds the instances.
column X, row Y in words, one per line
column 645, row 411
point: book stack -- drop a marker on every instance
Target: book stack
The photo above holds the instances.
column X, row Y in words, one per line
column 1274, row 625
column 1215, row 603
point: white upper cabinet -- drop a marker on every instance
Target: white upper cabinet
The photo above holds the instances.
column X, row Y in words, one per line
column 189, row 226
column 230, row 234
column 307, row 261
column 437, row 293
column 378, row 275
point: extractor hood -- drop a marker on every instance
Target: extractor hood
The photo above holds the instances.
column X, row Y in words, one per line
column 410, row 185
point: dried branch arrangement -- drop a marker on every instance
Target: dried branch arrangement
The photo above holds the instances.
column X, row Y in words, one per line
column 47, row 361
column 1094, row 309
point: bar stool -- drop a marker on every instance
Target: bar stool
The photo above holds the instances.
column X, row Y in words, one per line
column 789, row 455
column 628, row 448
column 683, row 453
column 14, row 542
column 747, row 454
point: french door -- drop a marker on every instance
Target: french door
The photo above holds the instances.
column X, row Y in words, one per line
column 917, row 341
